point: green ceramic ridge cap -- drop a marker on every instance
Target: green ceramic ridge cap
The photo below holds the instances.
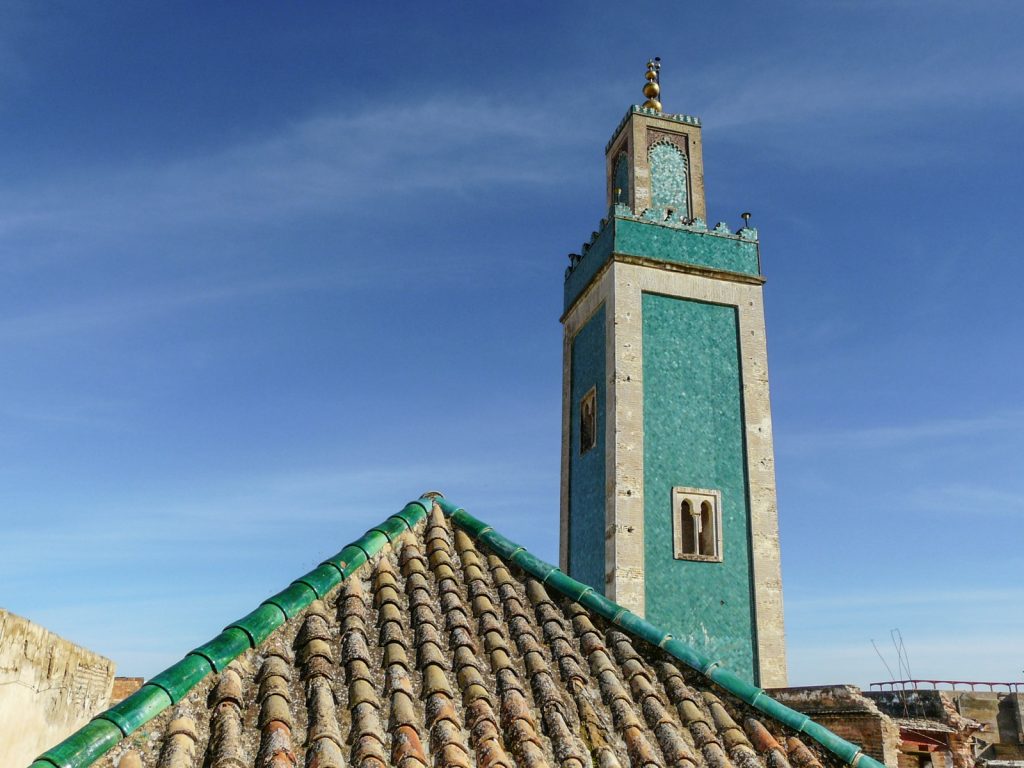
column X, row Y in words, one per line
column 101, row 734
column 224, row 648
column 322, row 579
column 138, row 709
column 447, row 507
column 623, row 618
column 259, row 623
column 84, row 746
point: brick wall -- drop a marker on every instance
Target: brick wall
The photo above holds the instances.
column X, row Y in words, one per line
column 844, row 710
column 124, row 687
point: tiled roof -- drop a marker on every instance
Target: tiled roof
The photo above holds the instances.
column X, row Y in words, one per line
column 439, row 650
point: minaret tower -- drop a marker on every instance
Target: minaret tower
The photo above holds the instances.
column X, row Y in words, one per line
column 668, row 478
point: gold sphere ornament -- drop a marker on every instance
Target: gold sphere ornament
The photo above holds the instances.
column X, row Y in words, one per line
column 652, row 88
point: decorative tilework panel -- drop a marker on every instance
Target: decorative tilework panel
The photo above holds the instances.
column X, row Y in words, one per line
column 586, row 472
column 668, row 179
column 685, row 246
column 693, row 436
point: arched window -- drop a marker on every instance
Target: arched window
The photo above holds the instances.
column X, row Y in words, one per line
column 588, row 421
column 620, row 180
column 697, row 524
column 688, row 528
column 707, row 530
column 669, row 171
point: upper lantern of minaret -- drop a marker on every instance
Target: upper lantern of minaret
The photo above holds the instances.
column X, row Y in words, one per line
column 654, row 162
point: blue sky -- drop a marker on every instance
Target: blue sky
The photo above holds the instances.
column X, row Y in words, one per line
column 270, row 270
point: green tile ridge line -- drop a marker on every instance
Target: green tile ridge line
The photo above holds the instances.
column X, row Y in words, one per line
column 551, row 576
column 105, row 731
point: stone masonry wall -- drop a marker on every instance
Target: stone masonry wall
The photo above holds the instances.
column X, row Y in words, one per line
column 999, row 713
column 846, row 711
column 49, row 688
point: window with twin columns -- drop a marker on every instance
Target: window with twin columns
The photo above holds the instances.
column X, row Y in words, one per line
column 697, row 524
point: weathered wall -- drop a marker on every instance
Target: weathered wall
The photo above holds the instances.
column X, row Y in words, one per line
column 999, row 712
column 1003, row 716
column 49, row 687
column 846, row 711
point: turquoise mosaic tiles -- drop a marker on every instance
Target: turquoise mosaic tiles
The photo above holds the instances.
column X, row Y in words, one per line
column 595, row 255
column 668, row 180
column 693, row 436
column 684, row 246
column 586, row 471
column 671, row 242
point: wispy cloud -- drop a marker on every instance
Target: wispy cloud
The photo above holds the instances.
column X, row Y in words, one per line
column 94, row 412
column 127, row 309
column 784, row 93
column 857, row 111
column 979, row 499
column 285, row 497
column 377, row 159
column 903, row 598
column 894, row 435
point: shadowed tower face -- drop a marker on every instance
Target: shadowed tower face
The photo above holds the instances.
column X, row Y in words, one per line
column 668, row 482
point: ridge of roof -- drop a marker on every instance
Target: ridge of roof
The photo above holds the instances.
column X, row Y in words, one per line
column 629, row 622
column 107, row 729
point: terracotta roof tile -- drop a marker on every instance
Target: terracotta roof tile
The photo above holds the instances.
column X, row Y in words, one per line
column 437, row 653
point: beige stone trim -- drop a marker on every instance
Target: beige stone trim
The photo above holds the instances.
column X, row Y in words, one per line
column 624, row 567
column 671, row 266
column 690, row 269
column 630, row 283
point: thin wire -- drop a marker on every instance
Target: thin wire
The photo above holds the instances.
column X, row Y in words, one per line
column 903, row 694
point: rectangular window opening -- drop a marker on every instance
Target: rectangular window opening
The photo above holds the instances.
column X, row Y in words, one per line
column 588, row 421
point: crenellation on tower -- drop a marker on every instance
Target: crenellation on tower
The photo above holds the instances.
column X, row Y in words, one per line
column 642, row 132
column 668, row 486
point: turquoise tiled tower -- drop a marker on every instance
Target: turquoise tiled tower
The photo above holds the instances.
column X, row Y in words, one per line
column 668, row 484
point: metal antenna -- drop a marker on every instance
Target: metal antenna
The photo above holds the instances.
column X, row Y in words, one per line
column 901, row 652
column 886, row 663
column 903, row 693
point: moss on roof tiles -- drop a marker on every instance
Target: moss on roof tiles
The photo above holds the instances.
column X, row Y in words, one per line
column 435, row 651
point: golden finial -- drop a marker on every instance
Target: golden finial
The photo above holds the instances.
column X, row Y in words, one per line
column 652, row 88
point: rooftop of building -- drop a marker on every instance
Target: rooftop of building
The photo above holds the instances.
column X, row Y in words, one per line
column 434, row 640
